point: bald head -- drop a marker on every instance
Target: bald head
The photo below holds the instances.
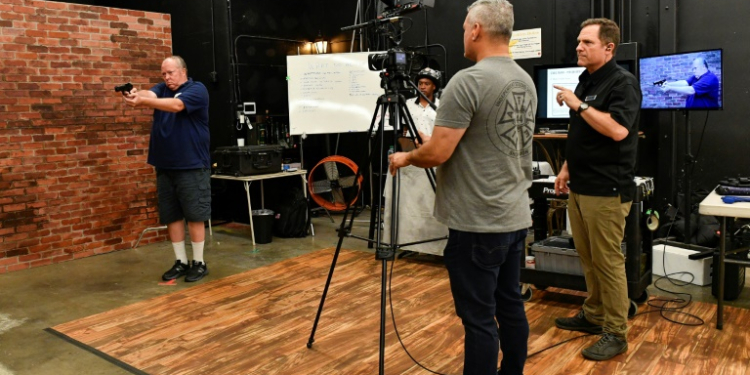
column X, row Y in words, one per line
column 700, row 67
column 174, row 72
column 178, row 60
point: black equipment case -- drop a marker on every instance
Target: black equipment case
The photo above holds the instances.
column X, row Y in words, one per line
column 247, row 160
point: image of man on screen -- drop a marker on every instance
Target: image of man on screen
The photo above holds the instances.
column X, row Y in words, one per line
column 702, row 88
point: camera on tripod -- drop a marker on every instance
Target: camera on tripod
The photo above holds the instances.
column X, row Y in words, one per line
column 394, row 60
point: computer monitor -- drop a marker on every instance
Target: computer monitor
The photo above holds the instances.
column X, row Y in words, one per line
column 549, row 113
column 545, row 77
column 686, row 80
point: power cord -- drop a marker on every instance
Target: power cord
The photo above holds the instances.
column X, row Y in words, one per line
column 558, row 344
column 393, row 320
column 661, row 305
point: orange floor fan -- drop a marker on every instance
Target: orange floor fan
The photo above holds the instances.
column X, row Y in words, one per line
column 332, row 183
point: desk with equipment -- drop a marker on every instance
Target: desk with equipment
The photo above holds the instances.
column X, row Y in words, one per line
column 713, row 205
column 260, row 177
column 637, row 246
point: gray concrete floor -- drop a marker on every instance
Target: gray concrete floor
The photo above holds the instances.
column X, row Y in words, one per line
column 35, row 299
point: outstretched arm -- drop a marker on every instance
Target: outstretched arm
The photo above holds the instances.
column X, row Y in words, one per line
column 432, row 153
column 147, row 98
column 681, row 87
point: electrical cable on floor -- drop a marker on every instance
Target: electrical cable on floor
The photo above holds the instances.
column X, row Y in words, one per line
column 681, row 303
column 558, row 344
column 662, row 308
column 393, row 320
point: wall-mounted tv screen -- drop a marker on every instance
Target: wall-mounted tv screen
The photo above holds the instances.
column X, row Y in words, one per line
column 566, row 75
column 688, row 80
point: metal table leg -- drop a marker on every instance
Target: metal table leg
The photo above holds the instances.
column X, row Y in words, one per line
column 307, row 213
column 250, row 211
column 722, row 253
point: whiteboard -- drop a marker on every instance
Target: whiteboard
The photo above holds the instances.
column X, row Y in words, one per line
column 331, row 93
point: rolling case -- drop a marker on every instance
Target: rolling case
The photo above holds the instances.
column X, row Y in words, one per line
column 247, row 160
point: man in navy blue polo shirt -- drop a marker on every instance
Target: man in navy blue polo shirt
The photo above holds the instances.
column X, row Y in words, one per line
column 701, row 88
column 179, row 150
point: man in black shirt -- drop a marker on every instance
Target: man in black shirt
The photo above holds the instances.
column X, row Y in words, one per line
column 598, row 176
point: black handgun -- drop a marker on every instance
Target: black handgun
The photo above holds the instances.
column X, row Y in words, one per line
column 660, row 83
column 124, row 89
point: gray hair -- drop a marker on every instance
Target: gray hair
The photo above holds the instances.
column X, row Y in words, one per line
column 178, row 60
column 495, row 16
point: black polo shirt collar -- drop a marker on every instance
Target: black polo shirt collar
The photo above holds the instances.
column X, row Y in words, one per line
column 595, row 77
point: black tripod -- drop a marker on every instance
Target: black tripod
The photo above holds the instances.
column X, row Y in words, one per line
column 393, row 103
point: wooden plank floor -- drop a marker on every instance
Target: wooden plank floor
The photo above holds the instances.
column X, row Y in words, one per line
column 258, row 322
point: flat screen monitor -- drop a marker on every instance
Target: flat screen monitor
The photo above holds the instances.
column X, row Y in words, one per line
column 687, row 80
column 566, row 75
column 545, row 77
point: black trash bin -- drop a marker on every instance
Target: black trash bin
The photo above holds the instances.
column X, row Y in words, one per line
column 263, row 226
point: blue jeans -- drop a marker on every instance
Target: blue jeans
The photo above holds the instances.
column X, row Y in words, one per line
column 484, row 271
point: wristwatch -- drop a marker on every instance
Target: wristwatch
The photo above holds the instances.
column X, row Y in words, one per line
column 584, row 106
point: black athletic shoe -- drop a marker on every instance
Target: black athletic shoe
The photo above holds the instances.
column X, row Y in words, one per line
column 196, row 271
column 578, row 323
column 607, row 347
column 178, row 270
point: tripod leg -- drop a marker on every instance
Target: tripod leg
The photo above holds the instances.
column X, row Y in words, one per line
column 383, row 303
column 325, row 293
column 343, row 231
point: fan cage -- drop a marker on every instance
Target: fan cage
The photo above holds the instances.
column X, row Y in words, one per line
column 328, row 204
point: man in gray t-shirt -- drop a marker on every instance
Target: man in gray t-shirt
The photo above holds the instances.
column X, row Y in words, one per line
column 482, row 144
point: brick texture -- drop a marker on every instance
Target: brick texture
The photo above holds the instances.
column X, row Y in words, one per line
column 74, row 181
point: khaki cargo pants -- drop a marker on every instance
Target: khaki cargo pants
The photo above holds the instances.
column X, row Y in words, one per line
column 598, row 225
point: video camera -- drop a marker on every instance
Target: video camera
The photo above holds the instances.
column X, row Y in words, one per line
column 394, row 60
column 124, row 89
column 397, row 63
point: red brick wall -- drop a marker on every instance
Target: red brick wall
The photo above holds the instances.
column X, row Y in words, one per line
column 74, row 181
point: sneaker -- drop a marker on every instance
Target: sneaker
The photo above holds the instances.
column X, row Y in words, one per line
column 578, row 323
column 178, row 270
column 196, row 271
column 607, row 347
